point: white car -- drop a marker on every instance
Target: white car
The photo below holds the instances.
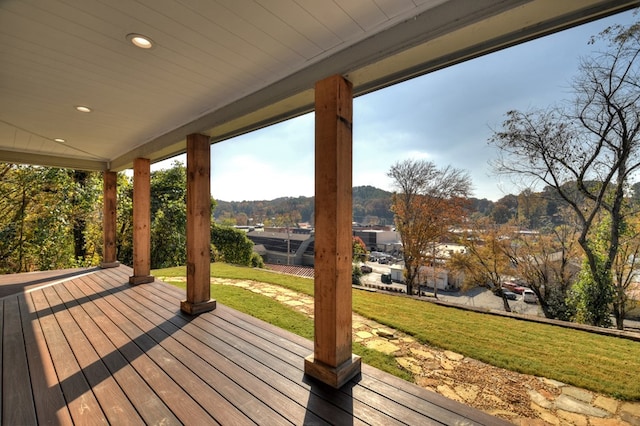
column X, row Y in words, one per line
column 529, row 296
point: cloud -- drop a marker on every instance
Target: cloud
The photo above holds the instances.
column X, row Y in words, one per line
column 446, row 117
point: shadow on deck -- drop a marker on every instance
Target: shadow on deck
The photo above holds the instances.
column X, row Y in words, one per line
column 93, row 349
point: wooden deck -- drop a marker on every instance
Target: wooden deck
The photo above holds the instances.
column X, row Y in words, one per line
column 95, row 350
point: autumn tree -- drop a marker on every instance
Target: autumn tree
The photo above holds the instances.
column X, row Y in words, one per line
column 427, row 202
column 359, row 250
column 587, row 151
column 532, row 209
column 624, row 273
column 624, row 269
column 485, row 261
column 547, row 263
column 359, row 254
column 505, row 209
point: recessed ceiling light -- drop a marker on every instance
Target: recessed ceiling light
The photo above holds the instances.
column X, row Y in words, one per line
column 141, row 41
column 82, row 108
column 59, row 140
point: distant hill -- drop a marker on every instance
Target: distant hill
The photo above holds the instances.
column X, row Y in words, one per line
column 372, row 205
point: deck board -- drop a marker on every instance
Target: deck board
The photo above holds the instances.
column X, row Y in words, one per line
column 117, row 408
column 93, row 349
column 17, row 401
column 79, row 397
column 156, row 366
column 151, row 408
column 51, row 408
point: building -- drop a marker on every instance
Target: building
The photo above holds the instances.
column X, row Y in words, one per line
column 283, row 248
column 384, row 240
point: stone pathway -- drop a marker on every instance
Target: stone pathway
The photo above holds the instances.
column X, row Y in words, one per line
column 519, row 398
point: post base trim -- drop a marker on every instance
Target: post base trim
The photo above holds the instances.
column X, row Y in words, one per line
column 333, row 376
column 197, row 308
column 141, row 279
column 106, row 265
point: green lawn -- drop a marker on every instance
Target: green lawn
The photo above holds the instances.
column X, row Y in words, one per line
column 599, row 363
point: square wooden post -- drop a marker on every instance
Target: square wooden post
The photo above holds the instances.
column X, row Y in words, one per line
column 141, row 222
column 198, row 226
column 109, row 206
column 332, row 361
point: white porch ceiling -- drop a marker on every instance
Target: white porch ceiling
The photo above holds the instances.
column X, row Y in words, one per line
column 224, row 67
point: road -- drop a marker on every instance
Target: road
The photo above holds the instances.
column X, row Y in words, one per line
column 478, row 297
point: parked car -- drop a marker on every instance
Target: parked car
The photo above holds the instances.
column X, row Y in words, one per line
column 386, row 278
column 366, row 269
column 508, row 294
column 529, row 296
column 384, row 260
column 508, row 285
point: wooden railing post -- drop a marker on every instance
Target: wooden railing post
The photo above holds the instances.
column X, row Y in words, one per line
column 332, row 361
column 141, row 222
column 109, row 206
column 198, row 226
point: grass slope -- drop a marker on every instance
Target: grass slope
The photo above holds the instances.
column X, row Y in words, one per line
column 599, row 363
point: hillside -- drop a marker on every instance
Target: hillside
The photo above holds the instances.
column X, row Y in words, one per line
column 371, row 205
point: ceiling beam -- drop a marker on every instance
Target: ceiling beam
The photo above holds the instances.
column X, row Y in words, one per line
column 17, row 157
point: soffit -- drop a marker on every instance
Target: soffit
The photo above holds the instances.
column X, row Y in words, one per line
column 223, row 67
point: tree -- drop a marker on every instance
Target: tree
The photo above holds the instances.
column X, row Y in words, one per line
column 231, row 245
column 532, row 209
column 587, row 152
column 545, row 262
column 624, row 270
column 47, row 218
column 504, row 210
column 623, row 275
column 427, row 203
column 169, row 216
column 124, row 220
column 485, row 261
column 84, row 216
column 359, row 250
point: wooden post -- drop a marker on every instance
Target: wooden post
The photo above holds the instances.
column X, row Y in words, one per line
column 109, row 205
column 198, row 226
column 141, row 222
column 332, row 361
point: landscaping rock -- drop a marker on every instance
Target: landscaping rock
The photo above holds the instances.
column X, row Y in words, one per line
column 540, row 400
column 364, row 334
column 422, row 354
column 409, row 364
column 572, row 418
column 449, row 393
column 577, row 393
column 608, row 404
column 382, row 346
column 567, row 403
column 453, row 356
column 387, row 334
column 630, row 412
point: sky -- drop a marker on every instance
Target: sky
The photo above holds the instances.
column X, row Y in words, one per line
column 445, row 117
